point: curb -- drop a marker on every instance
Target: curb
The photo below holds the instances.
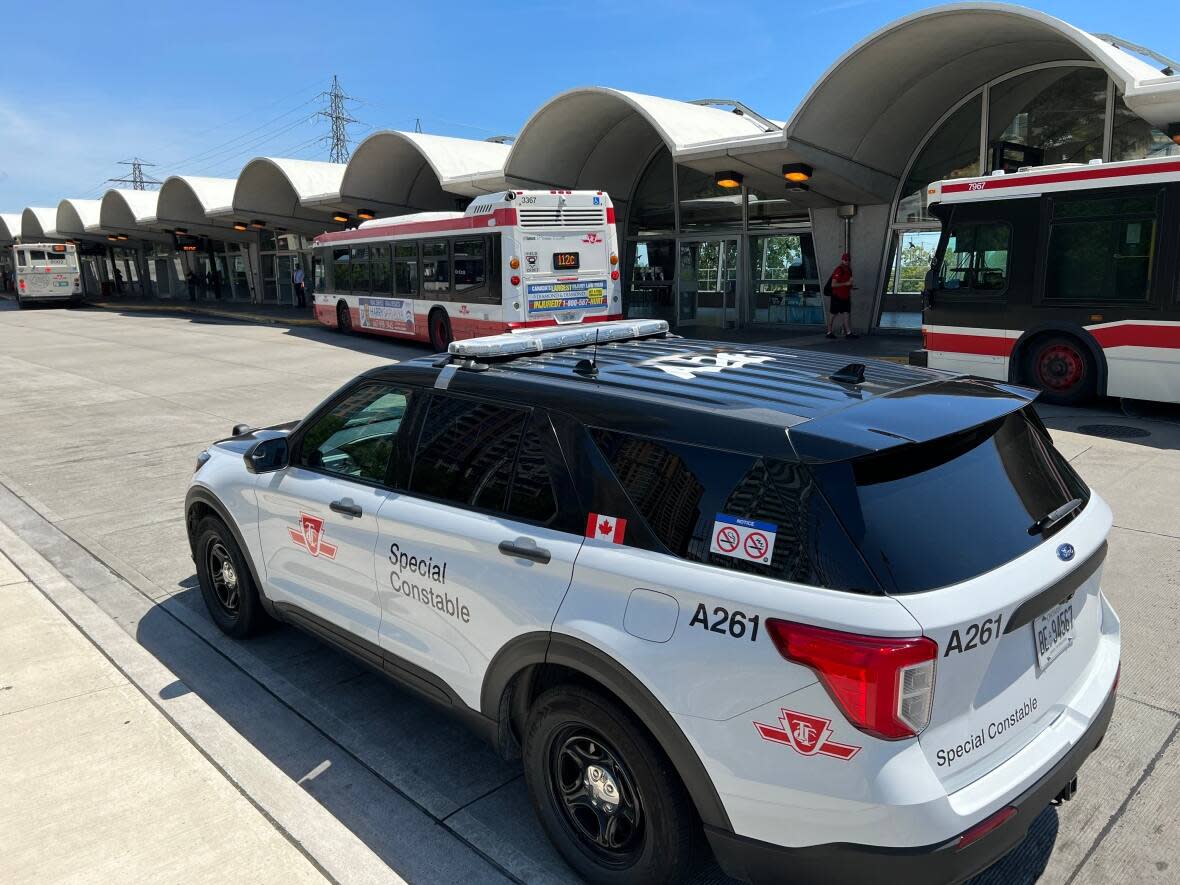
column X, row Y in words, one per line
column 327, row 844
column 264, row 319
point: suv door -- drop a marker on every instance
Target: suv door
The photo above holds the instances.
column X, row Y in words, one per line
column 317, row 518
column 482, row 547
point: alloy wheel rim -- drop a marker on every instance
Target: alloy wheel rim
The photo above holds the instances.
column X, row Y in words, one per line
column 223, row 574
column 596, row 796
column 1060, row 367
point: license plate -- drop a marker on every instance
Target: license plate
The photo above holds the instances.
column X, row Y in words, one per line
column 1053, row 633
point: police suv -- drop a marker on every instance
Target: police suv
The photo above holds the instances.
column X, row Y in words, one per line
column 844, row 619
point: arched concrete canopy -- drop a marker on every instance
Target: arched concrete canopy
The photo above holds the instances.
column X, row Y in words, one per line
column 9, row 227
column 38, row 223
column 74, row 217
column 186, row 200
column 396, row 172
column 877, row 102
column 128, row 212
column 601, row 138
column 281, row 192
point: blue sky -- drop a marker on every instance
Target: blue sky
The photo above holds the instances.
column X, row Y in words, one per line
column 202, row 87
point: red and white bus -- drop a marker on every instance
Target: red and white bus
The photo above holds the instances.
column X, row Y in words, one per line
column 1065, row 278
column 511, row 260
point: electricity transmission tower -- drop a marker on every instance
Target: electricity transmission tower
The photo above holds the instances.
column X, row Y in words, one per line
column 337, row 114
column 137, row 179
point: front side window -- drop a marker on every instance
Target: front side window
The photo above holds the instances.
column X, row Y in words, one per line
column 436, row 268
column 976, row 259
column 466, row 452
column 356, row 437
column 405, row 268
column 1101, row 249
column 687, row 495
column 341, row 270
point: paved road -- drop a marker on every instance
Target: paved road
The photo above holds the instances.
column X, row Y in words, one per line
column 103, row 414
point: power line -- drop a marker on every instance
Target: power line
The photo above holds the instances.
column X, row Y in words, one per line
column 337, row 114
column 137, row 179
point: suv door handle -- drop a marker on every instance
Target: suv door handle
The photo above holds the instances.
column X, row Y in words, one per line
column 531, row 552
column 346, row 507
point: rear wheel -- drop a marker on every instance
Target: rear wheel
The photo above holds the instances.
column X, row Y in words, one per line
column 343, row 318
column 1062, row 368
column 440, row 330
column 605, row 793
column 21, row 303
column 226, row 583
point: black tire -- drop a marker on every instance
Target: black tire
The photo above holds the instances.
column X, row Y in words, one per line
column 21, row 303
column 570, row 730
column 343, row 318
column 1062, row 368
column 439, row 325
column 230, row 594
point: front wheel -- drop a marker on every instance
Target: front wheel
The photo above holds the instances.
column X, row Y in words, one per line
column 1063, row 369
column 605, row 793
column 226, row 583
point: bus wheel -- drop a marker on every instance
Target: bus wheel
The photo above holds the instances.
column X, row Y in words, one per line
column 343, row 318
column 1063, row 369
column 440, row 330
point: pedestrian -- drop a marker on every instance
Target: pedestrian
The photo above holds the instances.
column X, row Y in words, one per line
column 300, row 287
column 191, row 279
column 118, row 281
column 208, row 283
column 839, row 291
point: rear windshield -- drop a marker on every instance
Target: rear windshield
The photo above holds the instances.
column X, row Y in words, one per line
column 934, row 514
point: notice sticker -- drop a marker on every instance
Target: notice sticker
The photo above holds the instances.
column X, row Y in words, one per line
column 740, row 538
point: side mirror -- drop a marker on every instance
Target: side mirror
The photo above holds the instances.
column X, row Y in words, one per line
column 267, row 455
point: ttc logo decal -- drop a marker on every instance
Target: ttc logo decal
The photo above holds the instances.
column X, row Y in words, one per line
column 311, row 536
column 806, row 735
column 592, row 239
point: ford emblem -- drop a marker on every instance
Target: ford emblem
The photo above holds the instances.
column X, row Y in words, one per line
column 1065, row 552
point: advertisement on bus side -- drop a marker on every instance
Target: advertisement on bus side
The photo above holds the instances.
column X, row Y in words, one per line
column 387, row 314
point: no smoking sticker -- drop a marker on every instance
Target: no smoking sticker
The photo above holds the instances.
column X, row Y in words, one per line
column 740, row 538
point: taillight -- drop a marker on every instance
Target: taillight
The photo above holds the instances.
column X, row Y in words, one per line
column 610, row 214
column 614, row 274
column 885, row 686
column 515, row 280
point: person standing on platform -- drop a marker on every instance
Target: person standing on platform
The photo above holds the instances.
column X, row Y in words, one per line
column 839, row 288
column 300, row 287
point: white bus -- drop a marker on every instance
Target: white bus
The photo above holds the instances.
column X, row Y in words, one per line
column 47, row 272
column 511, row 260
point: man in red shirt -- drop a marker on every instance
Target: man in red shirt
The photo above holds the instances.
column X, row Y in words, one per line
column 840, row 302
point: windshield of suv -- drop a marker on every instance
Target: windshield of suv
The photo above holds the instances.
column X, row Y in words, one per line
column 932, row 514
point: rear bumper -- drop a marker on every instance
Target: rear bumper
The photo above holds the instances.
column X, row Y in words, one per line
column 940, row 864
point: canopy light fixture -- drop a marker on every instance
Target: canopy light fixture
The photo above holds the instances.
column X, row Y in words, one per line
column 180, row 230
column 257, row 223
column 112, row 237
column 240, row 225
column 797, row 172
column 792, row 186
column 366, row 214
column 341, row 217
column 728, row 179
column 122, row 237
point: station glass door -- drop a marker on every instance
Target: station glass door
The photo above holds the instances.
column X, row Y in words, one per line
column 707, row 283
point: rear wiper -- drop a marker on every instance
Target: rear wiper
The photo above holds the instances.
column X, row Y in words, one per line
column 1053, row 517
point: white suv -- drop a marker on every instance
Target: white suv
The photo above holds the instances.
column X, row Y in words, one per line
column 846, row 619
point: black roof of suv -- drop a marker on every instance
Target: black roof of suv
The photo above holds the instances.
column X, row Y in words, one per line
column 758, row 398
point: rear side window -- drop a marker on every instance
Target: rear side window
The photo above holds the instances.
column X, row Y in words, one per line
column 938, row 513
column 686, row 493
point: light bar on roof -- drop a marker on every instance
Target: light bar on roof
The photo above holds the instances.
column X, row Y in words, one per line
column 542, row 340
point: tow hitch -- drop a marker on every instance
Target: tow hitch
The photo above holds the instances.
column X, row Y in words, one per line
column 1067, row 792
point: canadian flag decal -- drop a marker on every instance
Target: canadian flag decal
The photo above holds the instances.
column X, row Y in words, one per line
column 605, row 528
column 806, row 734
